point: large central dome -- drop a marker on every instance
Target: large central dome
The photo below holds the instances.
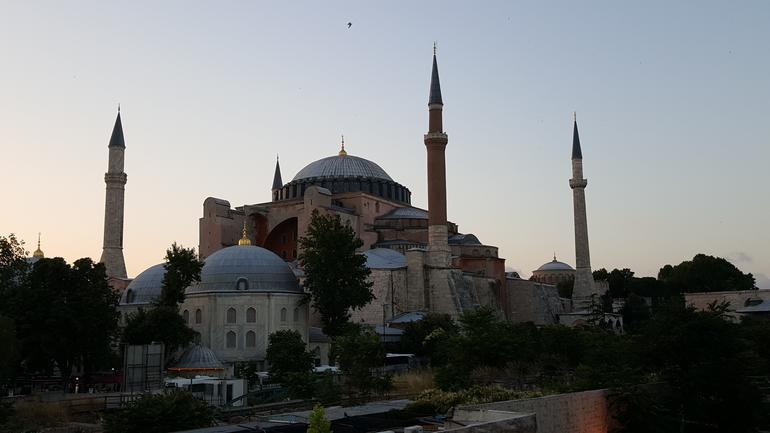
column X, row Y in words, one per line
column 342, row 166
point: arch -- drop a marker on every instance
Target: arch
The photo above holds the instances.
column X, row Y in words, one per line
column 296, row 314
column 186, row 316
column 130, row 296
column 242, row 284
column 230, row 338
column 283, row 238
column 251, row 339
column 283, row 314
column 232, row 315
column 198, row 316
column 251, row 315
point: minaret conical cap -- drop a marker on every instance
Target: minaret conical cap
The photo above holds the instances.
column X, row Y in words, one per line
column 435, row 85
column 576, row 152
column 117, row 133
column 277, row 182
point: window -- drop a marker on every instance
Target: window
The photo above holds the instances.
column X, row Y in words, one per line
column 242, row 284
column 198, row 316
column 296, row 314
column 251, row 315
column 186, row 316
column 283, row 314
column 197, row 338
column 230, row 340
column 129, row 296
column 232, row 316
column 251, row 339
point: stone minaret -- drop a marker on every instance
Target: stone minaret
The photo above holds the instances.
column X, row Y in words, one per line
column 277, row 182
column 115, row 178
column 584, row 280
column 435, row 143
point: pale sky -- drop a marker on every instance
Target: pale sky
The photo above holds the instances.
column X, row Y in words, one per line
column 672, row 101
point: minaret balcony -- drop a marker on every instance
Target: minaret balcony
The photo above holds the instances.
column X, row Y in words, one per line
column 578, row 183
column 115, row 178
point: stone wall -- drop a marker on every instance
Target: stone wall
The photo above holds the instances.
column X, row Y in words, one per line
column 491, row 421
column 389, row 297
column 530, row 301
column 737, row 299
column 578, row 412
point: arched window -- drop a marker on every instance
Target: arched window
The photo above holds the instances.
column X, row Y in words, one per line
column 230, row 340
column 186, row 316
column 296, row 314
column 198, row 316
column 232, row 316
column 251, row 315
column 283, row 314
column 197, row 338
column 129, row 296
column 242, row 284
column 251, row 339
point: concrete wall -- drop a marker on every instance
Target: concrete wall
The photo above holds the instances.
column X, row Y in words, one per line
column 578, row 412
column 491, row 421
column 737, row 299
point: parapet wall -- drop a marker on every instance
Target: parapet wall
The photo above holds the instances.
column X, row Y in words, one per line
column 577, row 412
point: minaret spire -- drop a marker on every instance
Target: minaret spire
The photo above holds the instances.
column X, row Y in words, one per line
column 584, row 287
column 115, row 178
column 435, row 144
column 277, row 181
column 38, row 252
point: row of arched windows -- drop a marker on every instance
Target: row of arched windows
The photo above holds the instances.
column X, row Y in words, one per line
column 198, row 316
column 231, row 315
column 231, row 339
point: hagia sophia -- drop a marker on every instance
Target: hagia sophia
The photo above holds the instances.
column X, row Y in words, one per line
column 251, row 282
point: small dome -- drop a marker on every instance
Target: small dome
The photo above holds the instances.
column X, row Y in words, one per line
column 555, row 265
column 342, row 166
column 198, row 358
column 405, row 213
column 145, row 287
column 384, row 258
column 245, row 267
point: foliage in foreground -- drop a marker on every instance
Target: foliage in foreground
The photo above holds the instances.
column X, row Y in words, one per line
column 436, row 401
column 174, row 411
column 359, row 354
column 31, row 416
column 317, row 422
column 291, row 364
column 336, row 276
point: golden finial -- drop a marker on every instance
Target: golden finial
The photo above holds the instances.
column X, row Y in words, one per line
column 342, row 151
column 554, row 256
column 245, row 239
column 38, row 252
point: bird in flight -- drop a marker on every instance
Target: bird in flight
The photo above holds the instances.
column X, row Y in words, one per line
column 350, row 24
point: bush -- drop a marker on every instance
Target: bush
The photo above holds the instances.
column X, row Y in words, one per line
column 178, row 410
column 441, row 401
column 34, row 416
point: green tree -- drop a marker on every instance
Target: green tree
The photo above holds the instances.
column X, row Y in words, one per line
column 160, row 413
column 635, row 313
column 290, row 362
column 162, row 322
column 9, row 356
column 425, row 337
column 317, row 422
column 359, row 354
column 705, row 274
column 13, row 266
column 65, row 316
column 336, row 276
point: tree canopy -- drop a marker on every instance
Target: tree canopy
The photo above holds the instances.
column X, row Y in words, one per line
column 336, row 276
column 290, row 362
column 705, row 274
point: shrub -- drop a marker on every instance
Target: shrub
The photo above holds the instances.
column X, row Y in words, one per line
column 178, row 410
column 442, row 401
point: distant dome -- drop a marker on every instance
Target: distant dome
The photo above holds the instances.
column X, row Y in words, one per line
column 340, row 166
column 405, row 213
column 145, row 287
column 555, row 266
column 384, row 258
column 245, row 267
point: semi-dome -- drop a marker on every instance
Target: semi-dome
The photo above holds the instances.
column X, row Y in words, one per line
column 384, row 258
column 555, row 265
column 146, row 287
column 245, row 268
column 340, row 166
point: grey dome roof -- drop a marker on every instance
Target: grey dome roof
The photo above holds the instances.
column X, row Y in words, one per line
column 198, row 357
column 555, row 266
column 384, row 258
column 405, row 213
column 261, row 270
column 145, row 287
column 342, row 166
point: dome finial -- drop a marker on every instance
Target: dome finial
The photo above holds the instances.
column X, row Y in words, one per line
column 245, row 239
column 342, row 150
column 554, row 256
column 38, row 252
